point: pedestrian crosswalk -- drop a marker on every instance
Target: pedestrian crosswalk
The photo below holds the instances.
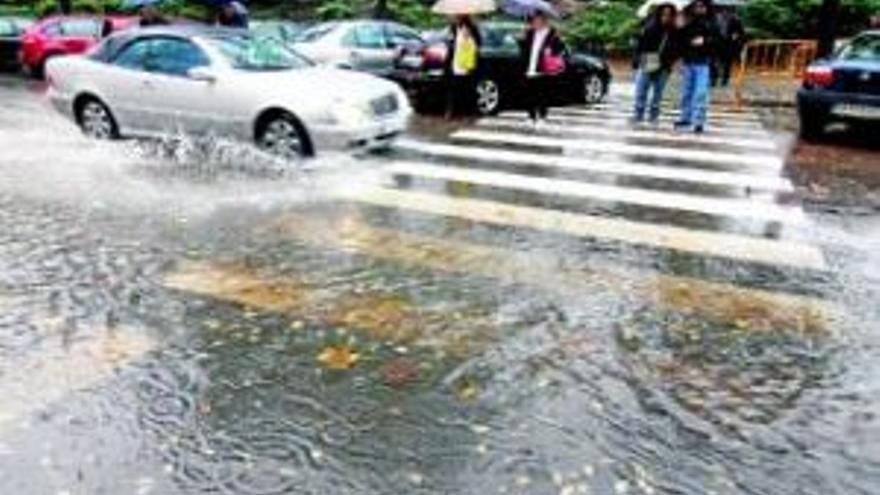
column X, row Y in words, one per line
column 733, row 174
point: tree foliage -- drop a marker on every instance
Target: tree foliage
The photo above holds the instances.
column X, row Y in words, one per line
column 799, row 18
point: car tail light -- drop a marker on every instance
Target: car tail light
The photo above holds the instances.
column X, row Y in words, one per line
column 818, row 75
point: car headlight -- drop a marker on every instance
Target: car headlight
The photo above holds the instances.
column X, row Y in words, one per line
column 350, row 114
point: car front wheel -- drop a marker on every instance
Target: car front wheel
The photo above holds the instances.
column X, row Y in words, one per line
column 488, row 95
column 594, row 89
column 282, row 135
column 95, row 120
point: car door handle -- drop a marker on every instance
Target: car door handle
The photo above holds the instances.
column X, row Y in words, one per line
column 147, row 84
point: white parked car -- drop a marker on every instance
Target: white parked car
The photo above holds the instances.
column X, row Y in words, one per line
column 198, row 80
column 365, row 45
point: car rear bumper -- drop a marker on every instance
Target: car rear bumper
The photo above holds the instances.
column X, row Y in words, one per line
column 838, row 105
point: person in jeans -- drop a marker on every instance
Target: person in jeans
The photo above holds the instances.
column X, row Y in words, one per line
column 462, row 62
column 698, row 41
column 542, row 57
column 654, row 58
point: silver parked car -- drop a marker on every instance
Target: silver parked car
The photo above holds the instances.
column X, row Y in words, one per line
column 200, row 80
column 368, row 46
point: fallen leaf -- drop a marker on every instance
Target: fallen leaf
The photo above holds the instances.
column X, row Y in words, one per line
column 340, row 357
column 466, row 390
column 399, row 372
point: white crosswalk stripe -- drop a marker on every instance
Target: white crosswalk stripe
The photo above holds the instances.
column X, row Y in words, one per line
column 756, row 180
column 646, row 133
column 770, row 161
column 615, row 194
column 671, row 110
column 622, row 123
column 625, row 114
column 643, row 234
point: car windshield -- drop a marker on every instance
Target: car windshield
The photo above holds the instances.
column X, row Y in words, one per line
column 8, row 28
column 258, row 54
column 862, row 48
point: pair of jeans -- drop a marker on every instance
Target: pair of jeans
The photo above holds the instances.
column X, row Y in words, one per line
column 650, row 85
column 695, row 80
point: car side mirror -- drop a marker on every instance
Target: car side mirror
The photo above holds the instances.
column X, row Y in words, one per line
column 203, row 74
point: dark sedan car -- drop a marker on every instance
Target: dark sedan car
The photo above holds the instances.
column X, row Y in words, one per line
column 11, row 29
column 842, row 88
column 498, row 84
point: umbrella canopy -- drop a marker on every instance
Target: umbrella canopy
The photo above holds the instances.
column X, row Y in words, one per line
column 526, row 8
column 463, row 7
column 220, row 3
column 136, row 4
column 649, row 6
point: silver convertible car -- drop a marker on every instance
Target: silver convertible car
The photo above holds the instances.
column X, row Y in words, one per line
column 197, row 80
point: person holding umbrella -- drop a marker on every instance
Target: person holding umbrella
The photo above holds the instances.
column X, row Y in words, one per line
column 462, row 47
column 653, row 61
column 542, row 54
column 698, row 42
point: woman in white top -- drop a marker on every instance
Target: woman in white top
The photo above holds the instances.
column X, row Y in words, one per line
column 542, row 57
column 462, row 61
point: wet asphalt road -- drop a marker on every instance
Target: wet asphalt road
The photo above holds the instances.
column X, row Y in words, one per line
column 494, row 311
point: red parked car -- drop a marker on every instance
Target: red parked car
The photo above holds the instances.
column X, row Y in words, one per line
column 64, row 35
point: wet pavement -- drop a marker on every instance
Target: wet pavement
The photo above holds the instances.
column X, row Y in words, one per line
column 487, row 308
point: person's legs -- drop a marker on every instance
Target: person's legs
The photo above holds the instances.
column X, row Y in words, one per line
column 687, row 96
column 543, row 96
column 658, row 85
column 726, row 68
column 700, row 96
column 531, row 98
column 642, row 85
column 449, row 109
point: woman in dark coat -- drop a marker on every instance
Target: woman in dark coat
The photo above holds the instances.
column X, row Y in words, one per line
column 654, row 58
column 462, row 61
column 542, row 58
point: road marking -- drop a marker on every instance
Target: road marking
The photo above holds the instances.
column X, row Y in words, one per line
column 699, row 156
column 46, row 376
column 658, row 236
column 609, row 193
column 723, row 303
column 622, row 118
column 712, row 130
column 714, row 110
column 735, row 119
column 657, row 135
column 716, row 178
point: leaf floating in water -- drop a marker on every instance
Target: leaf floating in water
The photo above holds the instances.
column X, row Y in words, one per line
column 467, row 390
column 398, row 373
column 340, row 357
column 297, row 325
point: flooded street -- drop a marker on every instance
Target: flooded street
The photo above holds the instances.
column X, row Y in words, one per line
column 582, row 309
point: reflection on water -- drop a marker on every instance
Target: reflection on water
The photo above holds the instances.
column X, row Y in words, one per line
column 173, row 327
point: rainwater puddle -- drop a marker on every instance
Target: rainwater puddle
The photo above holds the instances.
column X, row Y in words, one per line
column 176, row 319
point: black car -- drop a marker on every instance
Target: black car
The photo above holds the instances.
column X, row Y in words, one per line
column 498, row 84
column 842, row 88
column 11, row 29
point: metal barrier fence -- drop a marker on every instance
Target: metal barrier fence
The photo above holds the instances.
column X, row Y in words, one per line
column 771, row 61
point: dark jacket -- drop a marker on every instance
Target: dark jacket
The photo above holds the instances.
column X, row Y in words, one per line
column 654, row 38
column 700, row 27
column 450, row 43
column 733, row 35
column 553, row 42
